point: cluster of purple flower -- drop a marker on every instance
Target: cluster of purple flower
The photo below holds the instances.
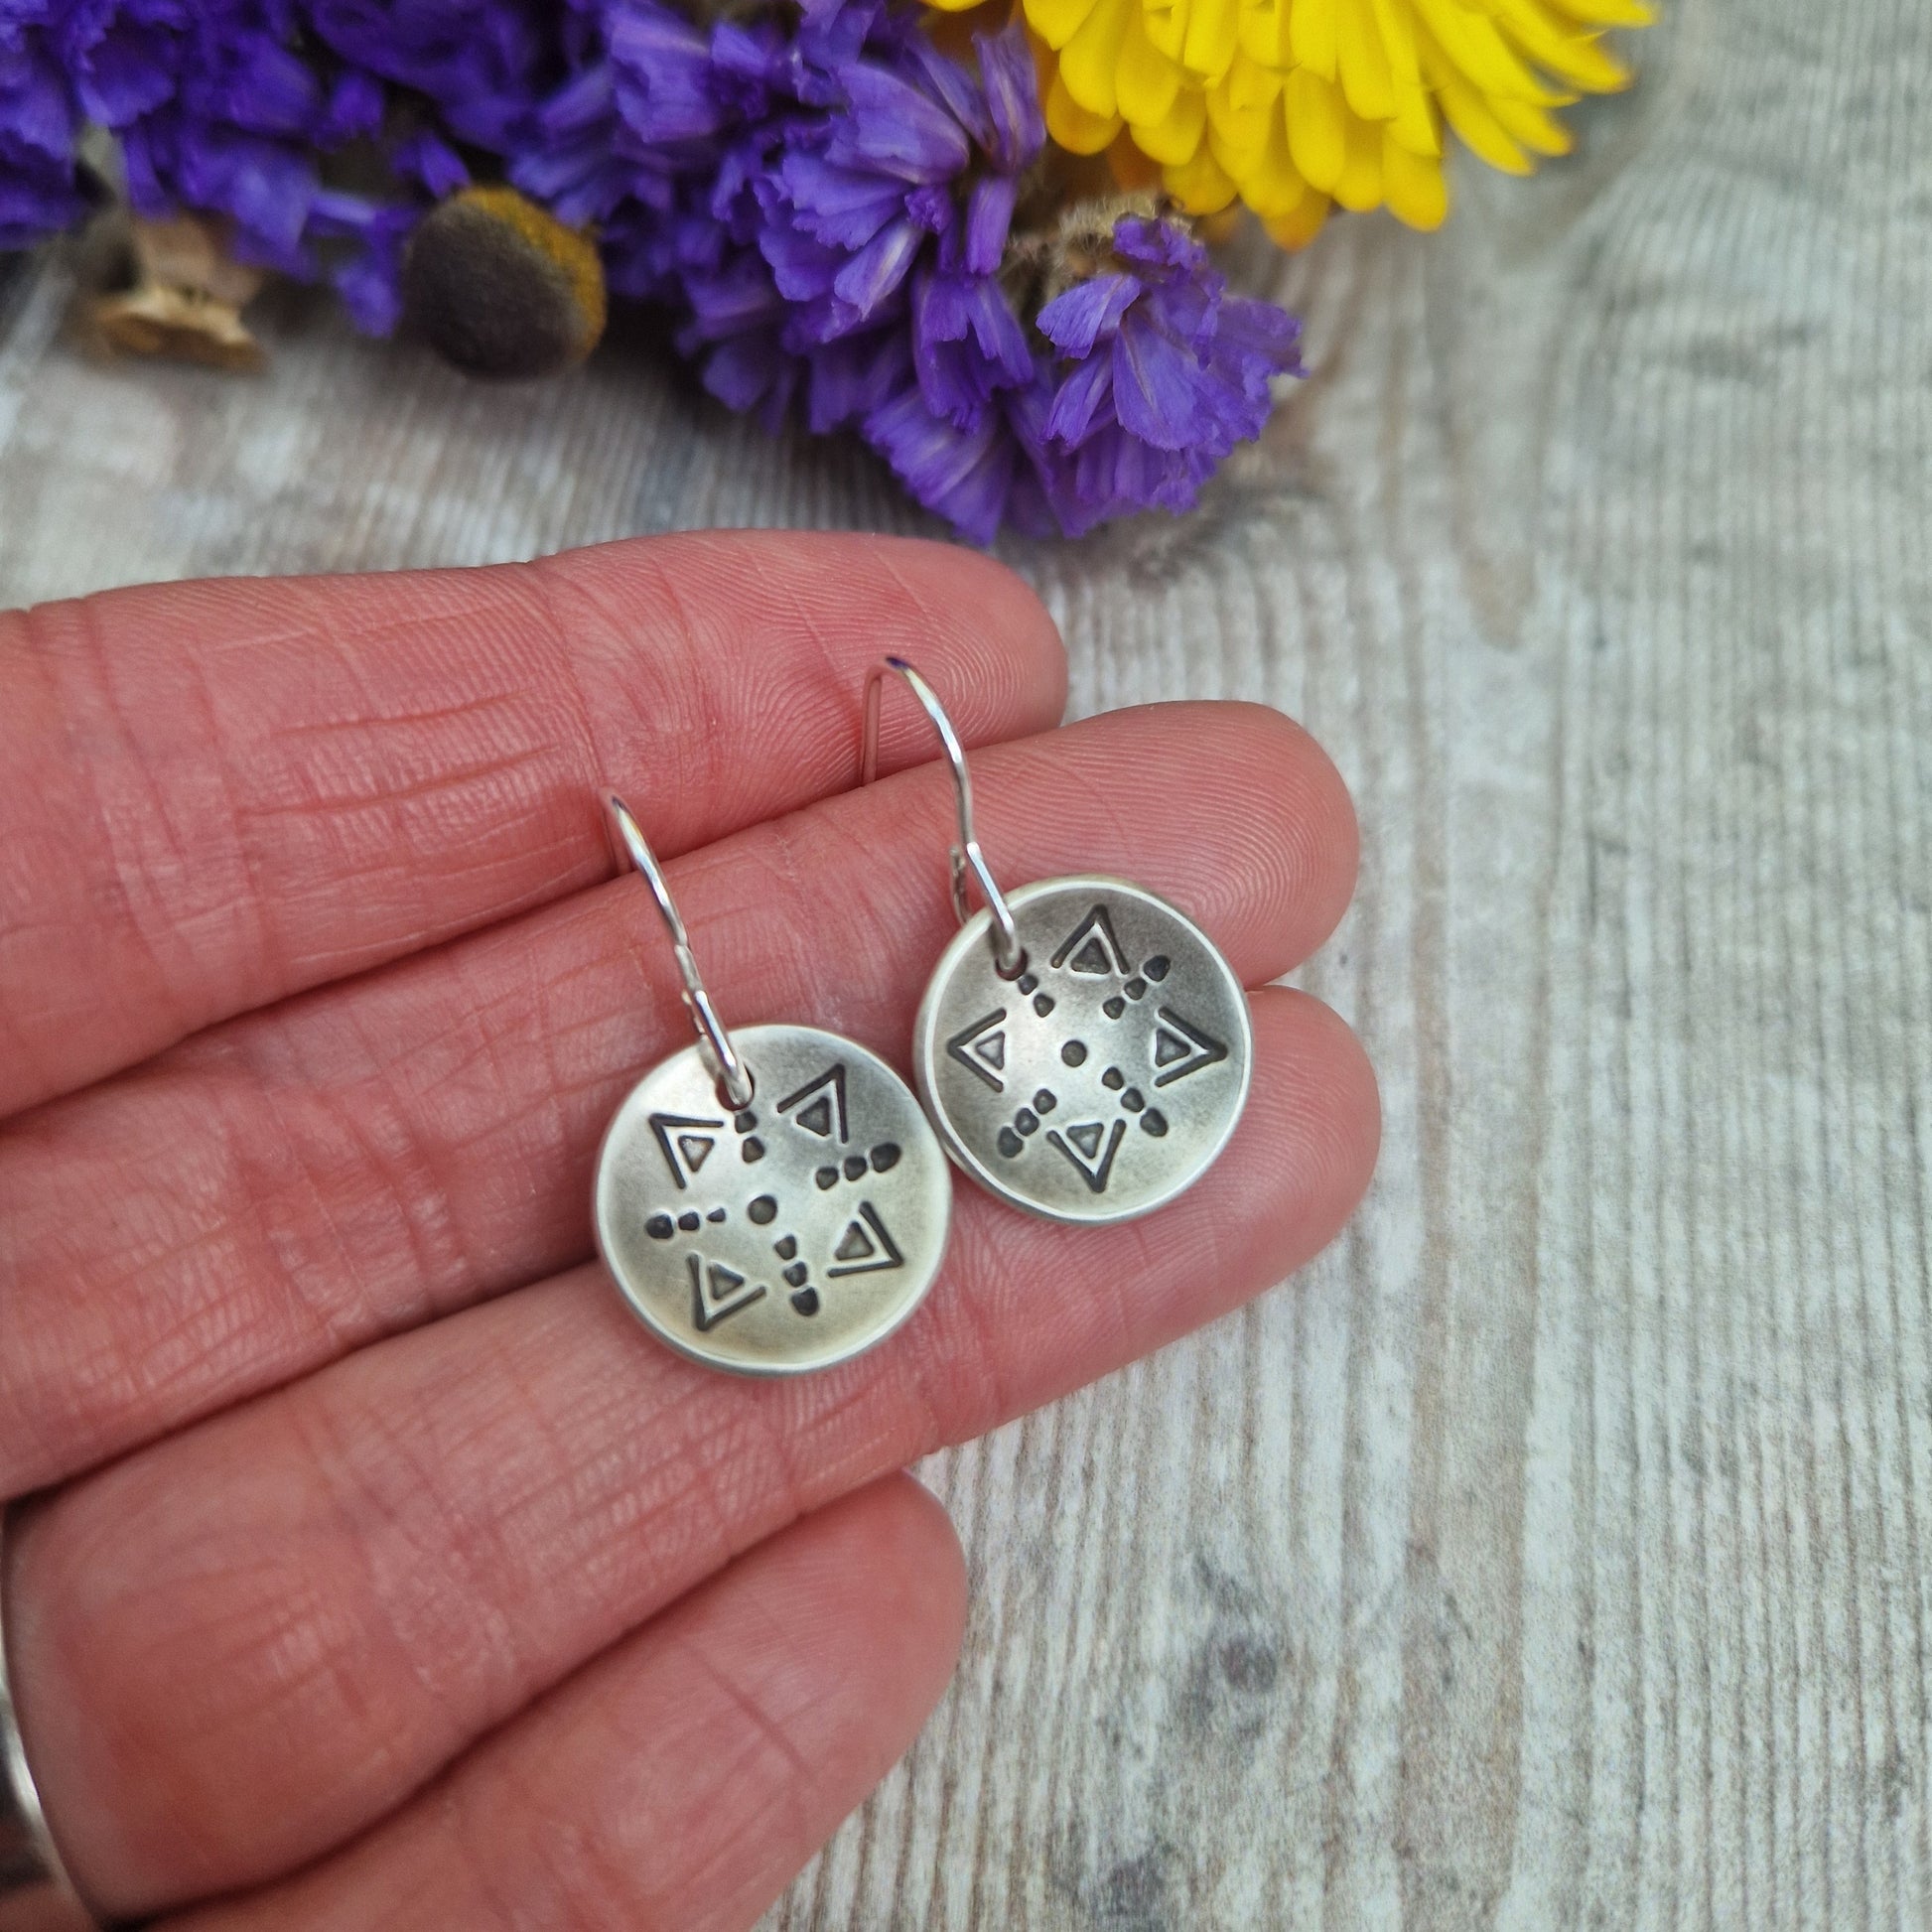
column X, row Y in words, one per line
column 826, row 200
column 230, row 107
column 829, row 207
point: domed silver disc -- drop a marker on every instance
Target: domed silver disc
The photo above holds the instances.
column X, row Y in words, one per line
column 1101, row 1082
column 784, row 1236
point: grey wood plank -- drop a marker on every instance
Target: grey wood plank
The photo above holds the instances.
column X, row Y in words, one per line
column 1552, row 1551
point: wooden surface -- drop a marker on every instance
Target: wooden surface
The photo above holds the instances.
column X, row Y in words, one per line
column 1556, row 1551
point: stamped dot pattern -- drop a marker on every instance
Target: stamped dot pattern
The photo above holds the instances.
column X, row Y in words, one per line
column 866, row 1237
column 1119, row 1030
column 1085, row 1151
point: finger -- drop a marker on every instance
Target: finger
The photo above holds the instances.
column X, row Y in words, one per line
column 221, row 792
column 309, row 1178
column 685, row 1777
column 387, row 1559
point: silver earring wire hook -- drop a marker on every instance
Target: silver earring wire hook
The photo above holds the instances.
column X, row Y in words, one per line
column 966, row 855
column 714, row 1046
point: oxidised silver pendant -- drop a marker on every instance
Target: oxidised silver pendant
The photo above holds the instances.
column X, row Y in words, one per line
column 1100, row 1080
column 785, row 1235
column 769, row 1201
column 1082, row 1047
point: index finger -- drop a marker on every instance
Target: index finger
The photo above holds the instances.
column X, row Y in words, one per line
column 222, row 792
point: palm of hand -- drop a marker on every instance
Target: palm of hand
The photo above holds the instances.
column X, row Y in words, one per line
column 386, row 1574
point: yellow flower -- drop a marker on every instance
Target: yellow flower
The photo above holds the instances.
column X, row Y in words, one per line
column 1292, row 105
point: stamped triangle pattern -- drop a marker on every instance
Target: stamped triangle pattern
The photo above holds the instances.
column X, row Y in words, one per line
column 1180, row 1048
column 865, row 1247
column 1089, row 1147
column 1092, row 949
column 981, row 1048
column 1174, row 1048
column 819, row 1105
column 686, row 1143
column 718, row 1291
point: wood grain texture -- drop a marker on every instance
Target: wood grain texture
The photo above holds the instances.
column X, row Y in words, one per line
column 1554, row 1552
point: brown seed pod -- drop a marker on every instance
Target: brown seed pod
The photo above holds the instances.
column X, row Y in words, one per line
column 501, row 288
column 186, row 297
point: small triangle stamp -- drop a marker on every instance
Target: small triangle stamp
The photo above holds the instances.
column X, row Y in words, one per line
column 865, row 1247
column 685, row 1141
column 1091, row 948
column 1180, row 1048
column 981, row 1048
column 1089, row 1148
column 718, row 1291
column 819, row 1105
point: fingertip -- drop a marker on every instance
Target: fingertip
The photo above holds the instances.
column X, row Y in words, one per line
column 979, row 629
column 1334, row 833
column 1229, row 810
column 1297, row 847
column 894, row 1559
column 1319, row 1112
column 978, row 612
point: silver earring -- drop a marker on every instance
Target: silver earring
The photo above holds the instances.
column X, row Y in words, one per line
column 771, row 1201
column 1082, row 1047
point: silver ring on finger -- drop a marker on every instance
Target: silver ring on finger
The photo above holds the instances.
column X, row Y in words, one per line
column 37, row 1892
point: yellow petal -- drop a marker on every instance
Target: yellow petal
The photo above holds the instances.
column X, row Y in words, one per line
column 1179, row 137
column 1302, row 225
column 1413, row 122
column 1241, row 109
column 1148, row 80
column 1576, row 57
column 1414, row 185
column 1077, row 131
column 1167, row 26
column 1264, row 32
column 1313, row 112
column 1312, row 34
column 1271, row 184
column 1469, row 113
column 1358, row 188
column 1532, row 126
column 1211, row 33
column 1366, row 81
column 1058, row 21
column 1250, row 84
column 1201, row 186
column 1238, row 164
column 1091, row 58
column 1473, row 48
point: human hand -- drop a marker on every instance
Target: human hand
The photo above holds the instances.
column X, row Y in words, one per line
column 387, row 1574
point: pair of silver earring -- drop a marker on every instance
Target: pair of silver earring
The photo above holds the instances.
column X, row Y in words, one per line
column 773, row 1199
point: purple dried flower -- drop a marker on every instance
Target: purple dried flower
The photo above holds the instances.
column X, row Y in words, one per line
column 232, row 107
column 825, row 199
column 483, row 64
column 829, row 208
column 977, row 478
column 39, row 127
column 1170, row 371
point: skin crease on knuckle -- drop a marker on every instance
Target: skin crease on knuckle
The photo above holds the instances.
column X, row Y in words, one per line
column 230, row 790
column 681, row 1778
column 1262, row 845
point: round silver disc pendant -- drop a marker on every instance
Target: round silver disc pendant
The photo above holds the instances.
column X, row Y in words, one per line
column 785, row 1236
column 1104, row 1079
